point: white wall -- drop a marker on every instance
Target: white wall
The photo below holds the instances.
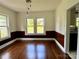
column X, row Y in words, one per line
column 12, row 18
column 48, row 15
column 61, row 18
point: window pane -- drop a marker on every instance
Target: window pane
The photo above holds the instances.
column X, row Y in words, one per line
column 30, row 26
column 3, row 32
column 3, row 20
column 77, row 22
column 30, row 22
column 40, row 21
column 30, row 29
column 40, row 25
column 40, row 29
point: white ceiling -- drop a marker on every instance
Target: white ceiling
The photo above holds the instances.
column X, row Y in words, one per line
column 37, row 5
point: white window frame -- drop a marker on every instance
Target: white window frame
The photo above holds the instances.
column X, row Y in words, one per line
column 44, row 26
column 35, row 27
column 26, row 27
column 7, row 26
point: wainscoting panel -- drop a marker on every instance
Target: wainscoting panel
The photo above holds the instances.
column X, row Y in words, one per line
column 60, row 38
column 49, row 34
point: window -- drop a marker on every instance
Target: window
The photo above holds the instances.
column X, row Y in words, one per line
column 30, row 26
column 40, row 25
column 77, row 22
column 3, row 27
column 35, row 26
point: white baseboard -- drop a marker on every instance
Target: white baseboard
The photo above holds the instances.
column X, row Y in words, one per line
column 35, row 38
column 62, row 48
column 6, row 44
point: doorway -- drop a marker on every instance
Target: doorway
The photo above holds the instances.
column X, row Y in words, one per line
column 72, row 30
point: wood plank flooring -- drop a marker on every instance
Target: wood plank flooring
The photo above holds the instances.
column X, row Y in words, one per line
column 33, row 50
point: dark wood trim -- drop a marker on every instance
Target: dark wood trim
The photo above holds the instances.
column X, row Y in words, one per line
column 49, row 34
column 8, row 39
column 21, row 34
column 17, row 34
column 5, row 41
column 60, row 38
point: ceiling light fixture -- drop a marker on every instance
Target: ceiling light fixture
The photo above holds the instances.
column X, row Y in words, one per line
column 28, row 2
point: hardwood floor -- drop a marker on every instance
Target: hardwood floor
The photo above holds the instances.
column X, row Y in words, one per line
column 33, row 50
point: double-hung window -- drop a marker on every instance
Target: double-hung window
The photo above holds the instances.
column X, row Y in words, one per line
column 30, row 25
column 35, row 26
column 40, row 25
column 3, row 26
